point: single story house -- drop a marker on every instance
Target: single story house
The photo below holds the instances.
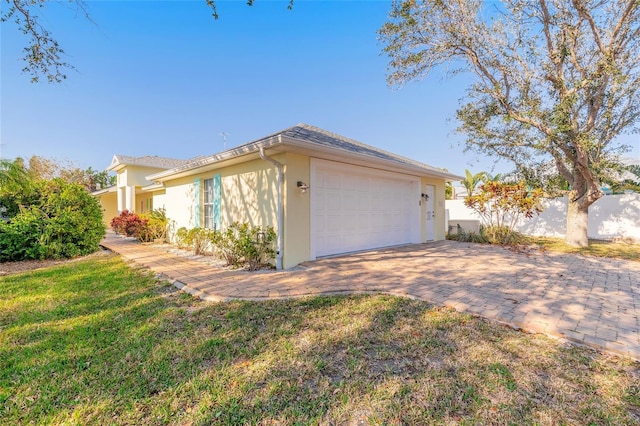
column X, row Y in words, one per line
column 323, row 193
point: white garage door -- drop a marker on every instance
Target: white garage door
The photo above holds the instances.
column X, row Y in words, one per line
column 356, row 208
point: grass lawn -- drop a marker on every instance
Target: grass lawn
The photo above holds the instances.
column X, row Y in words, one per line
column 600, row 248
column 96, row 342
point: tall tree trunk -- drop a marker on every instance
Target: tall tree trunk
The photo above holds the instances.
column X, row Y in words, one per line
column 577, row 222
column 585, row 190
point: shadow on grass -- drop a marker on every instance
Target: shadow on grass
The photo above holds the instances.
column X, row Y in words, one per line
column 122, row 348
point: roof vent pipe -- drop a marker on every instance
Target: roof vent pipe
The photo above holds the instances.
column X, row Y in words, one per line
column 279, row 207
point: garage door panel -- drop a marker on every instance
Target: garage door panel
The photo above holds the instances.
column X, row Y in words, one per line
column 356, row 208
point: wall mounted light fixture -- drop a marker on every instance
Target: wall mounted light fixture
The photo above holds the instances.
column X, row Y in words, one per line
column 303, row 187
column 425, row 196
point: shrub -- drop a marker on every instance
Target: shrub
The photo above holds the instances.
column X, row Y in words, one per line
column 62, row 220
column 200, row 240
column 182, row 238
column 490, row 235
column 239, row 245
column 468, row 237
column 228, row 245
column 501, row 206
column 501, row 235
column 242, row 244
column 19, row 239
column 155, row 226
column 128, row 224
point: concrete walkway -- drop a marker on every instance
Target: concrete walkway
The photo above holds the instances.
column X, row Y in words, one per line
column 587, row 300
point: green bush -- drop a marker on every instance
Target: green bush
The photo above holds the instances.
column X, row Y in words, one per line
column 489, row 235
column 501, row 235
column 62, row 221
column 228, row 246
column 19, row 240
column 155, row 227
column 181, row 238
column 200, row 240
column 468, row 237
column 239, row 245
column 242, row 244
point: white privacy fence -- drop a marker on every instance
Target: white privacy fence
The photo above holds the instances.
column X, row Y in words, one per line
column 612, row 216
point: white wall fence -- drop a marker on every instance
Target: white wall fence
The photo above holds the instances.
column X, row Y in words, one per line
column 612, row 216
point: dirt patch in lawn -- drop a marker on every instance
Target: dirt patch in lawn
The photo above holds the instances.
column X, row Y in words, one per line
column 10, row 268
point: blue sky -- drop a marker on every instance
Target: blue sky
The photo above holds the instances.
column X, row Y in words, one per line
column 165, row 78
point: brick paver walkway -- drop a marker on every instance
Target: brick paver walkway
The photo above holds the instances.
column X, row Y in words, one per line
column 589, row 300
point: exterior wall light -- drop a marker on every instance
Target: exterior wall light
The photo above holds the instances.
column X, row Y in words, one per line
column 425, row 196
column 303, row 187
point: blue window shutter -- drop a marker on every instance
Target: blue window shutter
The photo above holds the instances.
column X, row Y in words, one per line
column 217, row 193
column 196, row 202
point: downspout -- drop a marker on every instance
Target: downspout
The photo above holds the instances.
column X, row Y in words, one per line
column 280, row 209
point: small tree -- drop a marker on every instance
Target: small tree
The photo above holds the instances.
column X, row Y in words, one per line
column 502, row 205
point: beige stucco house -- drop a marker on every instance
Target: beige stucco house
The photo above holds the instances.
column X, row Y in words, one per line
column 323, row 193
column 129, row 192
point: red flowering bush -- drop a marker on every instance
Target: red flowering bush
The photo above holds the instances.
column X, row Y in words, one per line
column 129, row 224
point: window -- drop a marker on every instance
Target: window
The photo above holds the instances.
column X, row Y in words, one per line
column 208, row 204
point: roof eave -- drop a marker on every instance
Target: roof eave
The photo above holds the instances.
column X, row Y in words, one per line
column 116, row 167
column 107, row 190
column 284, row 141
column 152, row 187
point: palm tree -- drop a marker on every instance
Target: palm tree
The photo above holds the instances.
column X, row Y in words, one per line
column 15, row 184
column 471, row 181
column 12, row 175
column 488, row 177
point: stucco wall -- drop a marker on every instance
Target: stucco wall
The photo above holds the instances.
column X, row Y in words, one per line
column 612, row 216
column 109, row 203
column 159, row 199
column 178, row 201
column 135, row 175
column 297, row 236
column 248, row 194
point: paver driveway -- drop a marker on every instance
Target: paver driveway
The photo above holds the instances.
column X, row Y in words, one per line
column 594, row 301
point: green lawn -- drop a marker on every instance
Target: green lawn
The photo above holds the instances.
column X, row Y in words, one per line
column 95, row 342
column 600, row 248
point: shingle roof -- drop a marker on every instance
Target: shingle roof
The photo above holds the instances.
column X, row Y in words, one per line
column 325, row 138
column 148, row 161
column 309, row 137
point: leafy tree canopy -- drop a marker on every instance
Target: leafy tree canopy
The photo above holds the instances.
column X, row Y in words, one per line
column 58, row 220
column 18, row 178
column 555, row 80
